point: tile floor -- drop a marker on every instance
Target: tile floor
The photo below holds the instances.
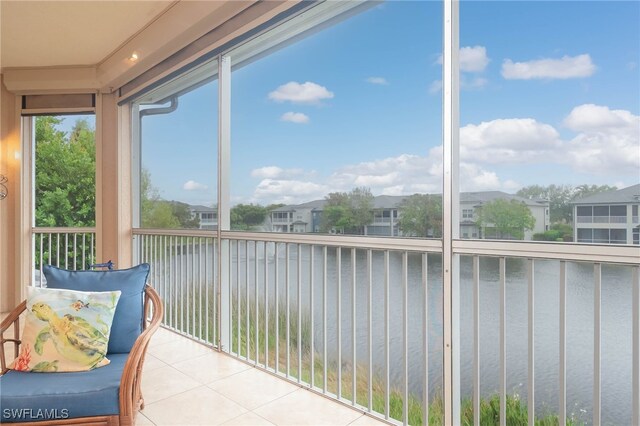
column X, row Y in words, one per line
column 185, row 383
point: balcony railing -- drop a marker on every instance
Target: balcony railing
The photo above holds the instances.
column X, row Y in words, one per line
column 602, row 219
column 281, row 220
column 69, row 248
column 360, row 319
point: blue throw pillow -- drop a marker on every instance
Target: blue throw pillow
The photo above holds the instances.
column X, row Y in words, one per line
column 127, row 321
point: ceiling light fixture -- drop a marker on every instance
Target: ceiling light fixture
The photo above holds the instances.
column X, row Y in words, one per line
column 133, row 57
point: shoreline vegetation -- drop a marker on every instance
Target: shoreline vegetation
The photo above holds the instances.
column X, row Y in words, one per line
column 263, row 351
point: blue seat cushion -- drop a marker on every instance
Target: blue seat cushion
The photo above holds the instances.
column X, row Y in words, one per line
column 128, row 318
column 27, row 396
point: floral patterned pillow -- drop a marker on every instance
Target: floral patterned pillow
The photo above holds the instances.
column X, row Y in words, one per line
column 66, row 330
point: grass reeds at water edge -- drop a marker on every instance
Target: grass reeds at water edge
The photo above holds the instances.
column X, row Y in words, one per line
column 517, row 413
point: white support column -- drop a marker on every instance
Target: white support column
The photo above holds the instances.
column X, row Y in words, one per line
column 224, row 206
column 451, row 206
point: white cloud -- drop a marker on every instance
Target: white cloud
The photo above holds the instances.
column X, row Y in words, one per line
column 377, row 180
column 435, row 87
column 596, row 118
column 563, row 68
column 512, row 140
column 608, row 141
column 288, row 191
column 275, row 172
column 377, row 80
column 472, row 59
column 295, row 117
column 305, row 93
column 605, row 141
column 192, row 185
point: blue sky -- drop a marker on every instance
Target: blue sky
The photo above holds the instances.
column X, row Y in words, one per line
column 550, row 94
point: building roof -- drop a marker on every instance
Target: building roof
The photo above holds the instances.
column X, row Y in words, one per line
column 315, row 204
column 630, row 194
column 202, row 209
column 487, row 196
column 388, row 201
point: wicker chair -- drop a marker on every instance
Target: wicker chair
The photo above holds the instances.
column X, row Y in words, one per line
column 129, row 395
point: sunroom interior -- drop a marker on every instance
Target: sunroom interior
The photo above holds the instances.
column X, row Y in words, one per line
column 417, row 308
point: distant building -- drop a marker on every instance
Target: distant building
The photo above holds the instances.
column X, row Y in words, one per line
column 387, row 211
column 608, row 218
column 208, row 216
column 471, row 202
column 385, row 216
column 299, row 218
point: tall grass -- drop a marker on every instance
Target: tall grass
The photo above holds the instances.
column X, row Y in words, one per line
column 516, row 410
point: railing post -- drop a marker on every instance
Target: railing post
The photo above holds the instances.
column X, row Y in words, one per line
column 223, row 285
column 450, row 220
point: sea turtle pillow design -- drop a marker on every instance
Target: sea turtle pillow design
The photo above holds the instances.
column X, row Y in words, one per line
column 66, row 330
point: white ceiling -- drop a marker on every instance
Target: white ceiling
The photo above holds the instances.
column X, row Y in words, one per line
column 70, row 33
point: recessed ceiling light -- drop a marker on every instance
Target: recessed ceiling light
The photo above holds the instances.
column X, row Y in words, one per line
column 133, row 57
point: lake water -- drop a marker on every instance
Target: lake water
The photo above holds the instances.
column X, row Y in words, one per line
column 616, row 364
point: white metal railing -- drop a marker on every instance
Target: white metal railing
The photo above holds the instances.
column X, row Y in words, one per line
column 381, row 220
column 183, row 272
column 69, row 248
column 360, row 319
column 280, row 220
column 307, row 312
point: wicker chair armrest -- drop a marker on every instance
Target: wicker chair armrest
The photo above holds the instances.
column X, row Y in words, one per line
column 130, row 395
column 13, row 319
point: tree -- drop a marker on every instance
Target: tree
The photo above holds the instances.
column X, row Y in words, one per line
column 247, row 216
column 182, row 213
column 560, row 198
column 557, row 232
column 421, row 216
column 583, row 191
column 65, row 174
column 361, row 201
column 508, row 218
column 348, row 212
column 154, row 211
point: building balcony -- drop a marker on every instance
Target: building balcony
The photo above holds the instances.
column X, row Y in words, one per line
column 263, row 334
column 602, row 219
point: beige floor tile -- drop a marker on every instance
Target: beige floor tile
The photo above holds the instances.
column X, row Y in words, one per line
column 152, row 363
column 141, row 420
column 211, row 367
column 199, row 406
column 248, row 419
column 173, row 352
column 162, row 336
column 164, row 382
column 253, row 388
column 367, row 421
column 305, row 408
